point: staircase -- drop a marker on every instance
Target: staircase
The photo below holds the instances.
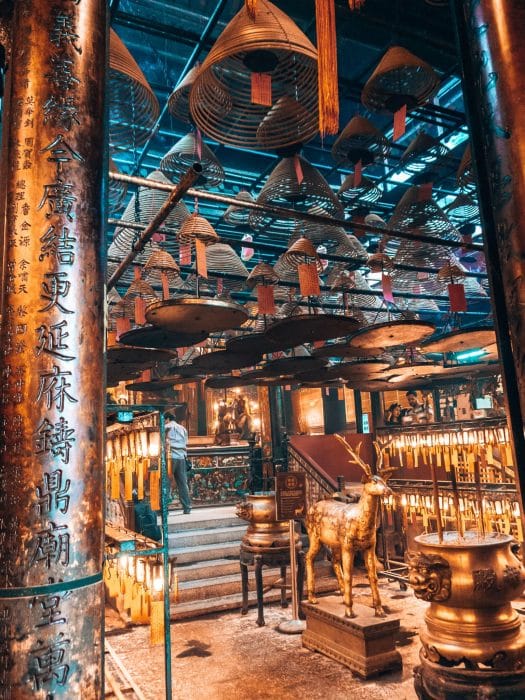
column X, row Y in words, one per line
column 206, row 544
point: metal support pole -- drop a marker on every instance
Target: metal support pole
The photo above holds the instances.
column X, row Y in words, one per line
column 165, row 490
column 358, row 404
column 51, row 359
column 189, row 178
column 490, row 40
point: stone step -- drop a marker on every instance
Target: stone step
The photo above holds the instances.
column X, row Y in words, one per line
column 205, row 552
column 209, row 569
column 199, row 607
column 213, row 535
column 178, row 522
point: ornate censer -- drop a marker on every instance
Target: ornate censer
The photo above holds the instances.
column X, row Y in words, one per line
column 264, row 530
column 473, row 645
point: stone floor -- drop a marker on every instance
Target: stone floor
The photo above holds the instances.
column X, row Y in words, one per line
column 227, row 657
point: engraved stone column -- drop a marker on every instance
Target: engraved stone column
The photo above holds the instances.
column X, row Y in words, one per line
column 492, row 49
column 51, row 355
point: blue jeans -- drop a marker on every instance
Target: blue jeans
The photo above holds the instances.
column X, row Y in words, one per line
column 181, row 479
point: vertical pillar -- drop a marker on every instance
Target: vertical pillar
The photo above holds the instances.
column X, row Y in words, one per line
column 358, row 411
column 492, row 50
column 51, row 359
column 276, row 421
column 334, row 410
column 202, row 428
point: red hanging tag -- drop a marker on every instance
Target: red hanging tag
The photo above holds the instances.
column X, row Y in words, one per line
column 185, row 254
column 458, row 300
column 319, row 343
column 308, row 280
column 140, row 311
column 340, row 394
column 358, row 172
column 220, row 285
column 123, row 325
column 424, row 192
column 386, row 286
column 146, row 375
column 422, row 276
column 465, row 238
column 262, row 89
column 265, row 299
column 137, row 272
column 298, row 169
column 202, row 265
column 165, row 285
column 158, row 237
column 400, row 120
column 198, row 145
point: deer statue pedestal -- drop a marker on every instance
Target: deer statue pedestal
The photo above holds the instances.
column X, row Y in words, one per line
column 364, row 643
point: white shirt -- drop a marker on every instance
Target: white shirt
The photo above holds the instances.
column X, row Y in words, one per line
column 177, row 439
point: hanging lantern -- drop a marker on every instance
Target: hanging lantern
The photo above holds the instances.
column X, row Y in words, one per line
column 265, row 42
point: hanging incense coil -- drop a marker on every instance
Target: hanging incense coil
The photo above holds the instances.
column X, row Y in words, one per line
column 161, row 262
column 196, row 226
column 417, row 306
column 262, row 273
column 179, row 100
column 117, row 190
column 365, row 192
column 151, row 337
column 223, row 260
column 400, row 79
column 422, row 152
column 392, row 333
column 219, row 361
column 360, row 141
column 137, row 289
column 283, row 189
column 302, row 251
column 195, row 315
column 184, row 154
column 353, row 251
column 308, row 328
column 467, row 338
column 272, row 44
column 286, row 109
column 320, row 234
column 238, row 216
column 451, row 272
column 465, row 176
column 463, row 208
column 133, row 107
column 377, row 262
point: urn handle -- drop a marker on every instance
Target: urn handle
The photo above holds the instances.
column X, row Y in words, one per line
column 430, row 576
column 244, row 510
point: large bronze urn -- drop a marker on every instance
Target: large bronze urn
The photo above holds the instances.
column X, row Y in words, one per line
column 264, row 530
column 473, row 645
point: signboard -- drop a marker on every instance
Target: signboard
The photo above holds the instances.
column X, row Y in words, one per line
column 290, row 495
column 124, row 416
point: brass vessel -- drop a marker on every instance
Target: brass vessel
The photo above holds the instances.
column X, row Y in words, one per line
column 264, row 530
column 473, row 634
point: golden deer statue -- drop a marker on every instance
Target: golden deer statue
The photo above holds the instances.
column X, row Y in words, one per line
column 347, row 528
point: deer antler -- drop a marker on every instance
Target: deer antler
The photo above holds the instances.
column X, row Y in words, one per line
column 380, row 450
column 356, row 459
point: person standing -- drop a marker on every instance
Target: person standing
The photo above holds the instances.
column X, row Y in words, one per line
column 177, row 444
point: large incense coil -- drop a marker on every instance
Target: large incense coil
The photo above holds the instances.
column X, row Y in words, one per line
column 463, row 208
column 133, row 107
column 238, row 216
column 196, row 226
column 465, row 175
column 184, row 154
column 223, row 360
column 161, row 262
column 417, row 306
column 116, row 190
column 194, row 315
column 138, row 289
column 468, row 338
column 421, row 152
column 357, row 296
column 270, row 43
column 392, row 333
column 308, row 328
column 151, row 337
column 301, row 251
column 399, row 79
column 286, row 109
column 262, row 273
column 222, row 259
column 366, row 192
column 179, row 100
column 353, row 251
column 283, row 189
column 360, row 141
column 320, row 234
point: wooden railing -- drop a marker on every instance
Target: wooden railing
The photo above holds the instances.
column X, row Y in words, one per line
column 317, row 486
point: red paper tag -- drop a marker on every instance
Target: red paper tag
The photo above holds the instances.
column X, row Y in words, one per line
column 247, row 253
column 358, row 171
column 140, row 311
column 123, row 325
column 298, row 169
column 165, row 285
column 400, row 119
column 465, row 238
column 340, row 394
column 220, row 285
column 137, row 272
column 200, row 251
column 458, row 300
column 319, row 343
column 265, row 299
column 146, row 375
column 262, row 89
column 308, row 280
column 425, row 192
column 198, row 144
column 288, row 387
column 185, row 254
column 158, row 237
column 386, row 286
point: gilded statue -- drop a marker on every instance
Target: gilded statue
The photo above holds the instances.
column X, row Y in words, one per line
column 347, row 528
